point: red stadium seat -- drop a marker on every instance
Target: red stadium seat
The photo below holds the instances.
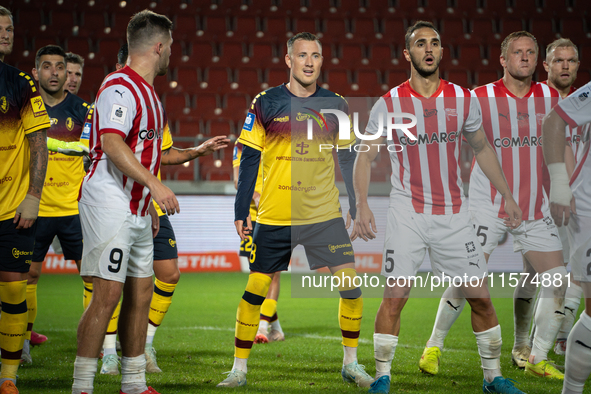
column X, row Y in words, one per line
column 62, row 22
column 393, row 27
column 275, row 26
column 119, row 21
column 493, row 55
column 245, row 27
column 219, row 127
column 365, row 27
column 369, row 82
column 187, row 78
column 78, row 45
column 176, row 104
column 483, row 77
column 200, row 53
column 394, row 78
column 379, row 8
column 573, row 28
column 543, row 29
column 30, row 20
column 108, row 48
column 93, row 76
column 307, row 24
column 351, row 55
column 208, row 105
column 470, row 56
column 276, row 77
column 235, row 106
column 454, row 29
column 382, row 55
column 40, row 41
column 215, row 26
column 231, row 54
column 510, row 25
column 336, row 29
column 338, row 80
column 524, row 8
column 459, row 77
column 482, row 29
column 93, row 24
column 583, row 77
column 262, row 53
column 248, row 80
column 188, row 127
column 185, row 26
column 216, row 79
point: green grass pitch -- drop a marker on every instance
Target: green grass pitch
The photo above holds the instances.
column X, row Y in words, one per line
column 195, row 344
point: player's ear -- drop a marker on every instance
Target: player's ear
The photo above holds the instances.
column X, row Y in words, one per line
column 34, row 74
column 546, row 66
column 287, row 60
column 406, row 54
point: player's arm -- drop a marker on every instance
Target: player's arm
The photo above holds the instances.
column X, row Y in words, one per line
column 122, row 157
column 28, row 209
column 247, row 177
column 174, row 156
column 553, row 135
column 489, row 163
column 365, row 225
column 346, row 160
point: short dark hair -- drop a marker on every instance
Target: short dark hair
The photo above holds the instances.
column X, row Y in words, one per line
column 145, row 25
column 6, row 12
column 418, row 25
column 122, row 55
column 75, row 59
column 302, row 36
column 49, row 50
column 514, row 36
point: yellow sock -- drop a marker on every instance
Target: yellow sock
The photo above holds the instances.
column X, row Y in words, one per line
column 87, row 295
column 268, row 309
column 161, row 300
column 32, row 308
column 248, row 314
column 112, row 327
column 13, row 326
column 350, row 307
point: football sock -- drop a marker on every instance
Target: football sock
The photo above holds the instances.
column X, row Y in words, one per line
column 133, row 375
column 548, row 316
column 31, row 308
column 572, row 300
column 110, row 341
column 523, row 309
column 13, row 326
column 384, row 346
column 448, row 312
column 268, row 311
column 350, row 313
column 240, row 364
column 84, row 372
column 275, row 325
column 578, row 356
column 87, row 295
column 161, row 300
column 248, row 314
column 489, row 347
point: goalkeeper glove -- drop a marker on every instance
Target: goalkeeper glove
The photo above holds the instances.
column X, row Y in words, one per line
column 74, row 148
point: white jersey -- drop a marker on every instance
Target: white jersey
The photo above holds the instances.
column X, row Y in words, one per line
column 576, row 111
column 426, row 174
column 126, row 105
column 513, row 127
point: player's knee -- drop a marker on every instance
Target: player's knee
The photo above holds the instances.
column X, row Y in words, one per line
column 33, row 275
column 172, row 276
column 346, row 282
column 87, row 279
column 482, row 306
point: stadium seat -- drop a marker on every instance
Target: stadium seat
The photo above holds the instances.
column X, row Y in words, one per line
column 365, row 29
column 185, row 26
column 78, row 45
column 275, row 26
column 276, row 76
column 383, row 56
column 338, row 80
column 394, row 78
column 459, row 77
column 573, row 28
column 200, row 53
column 119, row 22
column 470, row 56
column 335, row 29
column 245, row 27
column 63, row 22
column 208, row 105
column 523, row 8
column 482, row 77
column 30, row 20
column 455, row 29
column 380, row 7
column 493, row 53
column 543, row 29
column 469, row 8
column 219, row 127
column 189, row 127
column 108, row 48
column 352, row 55
column 583, row 77
column 310, row 25
column 216, row 79
column 177, row 53
column 235, row 106
column 482, row 29
column 391, row 27
column 40, row 41
column 215, row 27
column 176, row 104
column 187, row 78
column 93, row 76
column 261, row 54
column 369, row 83
column 231, row 54
column 510, row 25
column 248, row 80
column 94, row 24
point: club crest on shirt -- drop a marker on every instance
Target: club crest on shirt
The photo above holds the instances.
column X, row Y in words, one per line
column 3, row 104
column 69, row 124
column 38, row 106
column 118, row 113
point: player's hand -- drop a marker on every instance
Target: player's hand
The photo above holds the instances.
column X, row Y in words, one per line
column 26, row 212
column 353, row 236
column 74, row 148
column 213, row 144
column 243, row 228
column 165, row 198
column 155, row 220
column 561, row 213
column 514, row 213
column 365, row 225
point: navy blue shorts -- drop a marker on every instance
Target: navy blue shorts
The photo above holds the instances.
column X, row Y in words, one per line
column 327, row 244
column 165, row 241
column 16, row 246
column 68, row 231
column 246, row 244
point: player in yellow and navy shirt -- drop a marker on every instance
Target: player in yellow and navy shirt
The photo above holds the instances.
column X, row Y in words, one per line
column 23, row 162
column 58, row 211
column 299, row 203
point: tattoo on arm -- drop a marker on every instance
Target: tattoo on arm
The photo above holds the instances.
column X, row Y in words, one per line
column 477, row 141
column 38, row 162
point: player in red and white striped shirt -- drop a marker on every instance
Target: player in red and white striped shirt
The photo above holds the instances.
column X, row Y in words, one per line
column 574, row 111
column 512, row 113
column 426, row 201
column 115, row 200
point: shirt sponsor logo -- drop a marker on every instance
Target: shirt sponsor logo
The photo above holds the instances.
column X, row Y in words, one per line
column 433, row 138
column 283, row 119
column 118, row 114
column 507, row 142
column 249, row 121
column 4, row 104
column 172, row 242
column 18, row 253
column 9, row 147
column 427, row 113
column 86, row 131
column 302, row 148
column 38, row 106
column 333, row 248
column 69, row 124
column 147, row 134
column 300, row 117
column 53, row 121
column 7, row 178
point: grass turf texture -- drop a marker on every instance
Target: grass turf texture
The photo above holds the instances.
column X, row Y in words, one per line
column 195, row 344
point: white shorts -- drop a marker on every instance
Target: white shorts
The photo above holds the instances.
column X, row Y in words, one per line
column 453, row 247
column 117, row 244
column 532, row 235
column 579, row 238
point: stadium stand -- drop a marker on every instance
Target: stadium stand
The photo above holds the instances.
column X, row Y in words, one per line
column 226, row 51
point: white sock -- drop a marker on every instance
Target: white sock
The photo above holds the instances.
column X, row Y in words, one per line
column 572, row 300
column 384, row 346
column 84, row 372
column 276, row 326
column 350, row 355
column 448, row 312
column 133, row 374
column 240, row 364
column 150, row 337
column 548, row 317
column 578, row 356
column 524, row 302
column 110, row 344
column 489, row 347
column 263, row 326
column 26, row 346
